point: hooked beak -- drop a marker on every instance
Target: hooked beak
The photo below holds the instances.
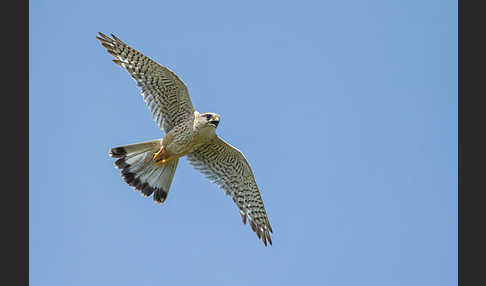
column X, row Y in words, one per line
column 215, row 121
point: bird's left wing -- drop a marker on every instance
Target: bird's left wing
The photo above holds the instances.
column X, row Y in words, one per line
column 163, row 91
column 226, row 166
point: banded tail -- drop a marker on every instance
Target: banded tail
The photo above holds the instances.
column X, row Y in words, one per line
column 141, row 172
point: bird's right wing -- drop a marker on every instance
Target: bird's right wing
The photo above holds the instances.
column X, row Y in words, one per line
column 226, row 166
column 165, row 94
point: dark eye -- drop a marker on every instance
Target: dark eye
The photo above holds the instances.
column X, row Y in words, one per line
column 208, row 116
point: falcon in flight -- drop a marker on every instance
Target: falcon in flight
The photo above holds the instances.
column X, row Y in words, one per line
column 149, row 167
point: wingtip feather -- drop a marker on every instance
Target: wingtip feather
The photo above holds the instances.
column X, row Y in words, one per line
column 104, row 36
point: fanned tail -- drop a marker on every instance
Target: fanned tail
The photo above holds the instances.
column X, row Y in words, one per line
column 141, row 172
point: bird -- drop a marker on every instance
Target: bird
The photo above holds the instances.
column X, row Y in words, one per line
column 149, row 167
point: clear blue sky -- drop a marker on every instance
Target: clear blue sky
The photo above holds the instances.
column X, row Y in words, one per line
column 346, row 111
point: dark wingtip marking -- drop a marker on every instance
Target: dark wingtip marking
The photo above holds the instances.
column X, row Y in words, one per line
column 118, row 62
column 101, row 39
column 243, row 218
column 112, row 53
column 269, row 226
column 107, row 45
column 104, row 36
column 262, row 234
column 117, row 39
column 253, row 226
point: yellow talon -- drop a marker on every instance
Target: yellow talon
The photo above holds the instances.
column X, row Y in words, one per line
column 160, row 157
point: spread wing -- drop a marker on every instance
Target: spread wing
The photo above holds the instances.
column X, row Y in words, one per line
column 226, row 166
column 165, row 94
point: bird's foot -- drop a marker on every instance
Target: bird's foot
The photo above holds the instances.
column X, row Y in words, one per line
column 161, row 157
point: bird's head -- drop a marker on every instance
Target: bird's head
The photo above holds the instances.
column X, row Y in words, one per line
column 208, row 119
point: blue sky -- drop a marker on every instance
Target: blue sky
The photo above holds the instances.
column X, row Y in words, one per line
column 346, row 111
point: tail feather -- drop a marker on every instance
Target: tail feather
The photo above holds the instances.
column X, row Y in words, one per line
column 141, row 172
column 133, row 149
